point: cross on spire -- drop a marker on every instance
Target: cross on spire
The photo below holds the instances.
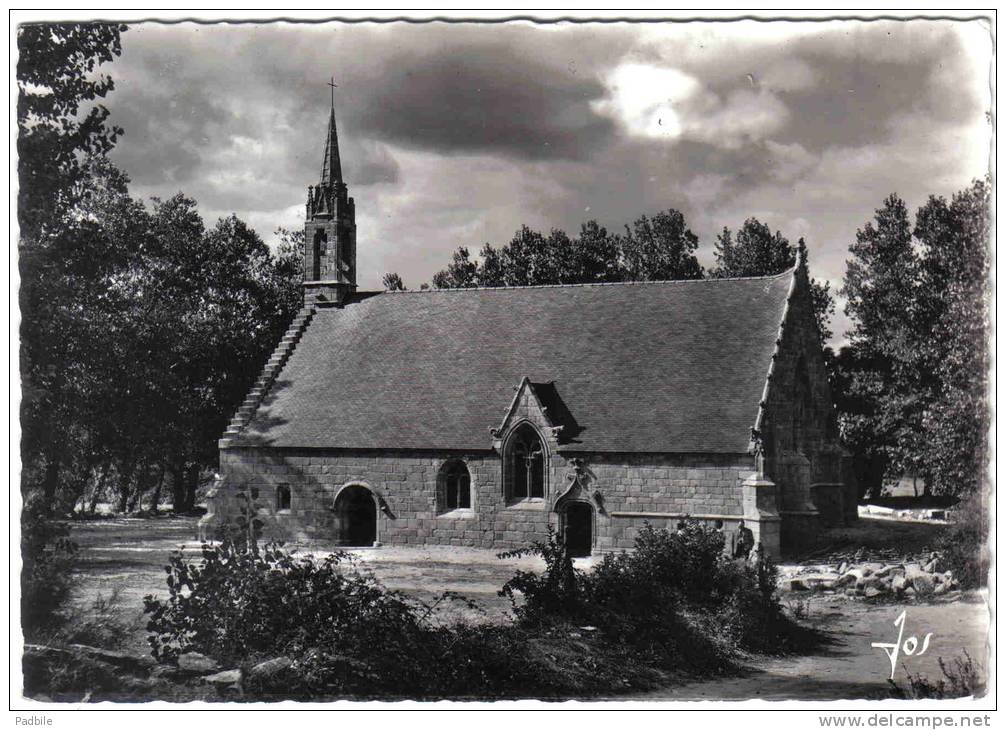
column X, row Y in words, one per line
column 334, row 87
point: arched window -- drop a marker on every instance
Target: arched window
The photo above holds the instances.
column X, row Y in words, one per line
column 320, row 241
column 526, row 464
column 283, row 498
column 454, row 488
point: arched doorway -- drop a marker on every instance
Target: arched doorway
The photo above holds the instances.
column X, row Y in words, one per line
column 356, row 517
column 578, row 529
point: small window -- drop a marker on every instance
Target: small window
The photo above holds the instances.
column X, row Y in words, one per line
column 526, row 464
column 454, row 490
column 283, row 498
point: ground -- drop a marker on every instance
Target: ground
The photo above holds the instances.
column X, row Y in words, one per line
column 127, row 555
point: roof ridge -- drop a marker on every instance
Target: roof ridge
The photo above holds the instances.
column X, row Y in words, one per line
column 787, row 272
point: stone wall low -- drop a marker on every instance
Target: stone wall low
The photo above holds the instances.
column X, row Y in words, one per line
column 625, row 491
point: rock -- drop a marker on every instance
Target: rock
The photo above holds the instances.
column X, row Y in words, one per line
column 898, row 583
column 228, row 676
column 941, row 589
column 871, row 591
column 131, row 662
column 852, row 577
column 930, row 567
column 871, row 568
column 871, row 583
column 909, row 591
column 226, row 682
column 923, row 584
column 851, row 592
column 269, row 668
column 912, row 570
column 843, row 567
column 813, row 582
column 196, row 663
column 889, row 570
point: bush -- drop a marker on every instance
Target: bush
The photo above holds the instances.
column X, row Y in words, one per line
column 963, row 678
column 240, row 603
column 963, row 545
column 48, row 557
column 676, row 594
column 674, row 606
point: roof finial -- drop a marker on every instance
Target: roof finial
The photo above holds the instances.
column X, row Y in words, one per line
column 801, row 254
column 334, row 87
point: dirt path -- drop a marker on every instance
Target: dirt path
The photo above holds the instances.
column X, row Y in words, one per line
column 128, row 555
column 850, row 668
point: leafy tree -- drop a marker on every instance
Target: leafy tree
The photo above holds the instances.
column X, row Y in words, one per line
column 660, row 248
column 62, row 257
column 56, row 78
column 490, row 271
column 460, row 274
column 755, row 252
column 824, row 307
column 596, row 254
column 953, row 342
column 880, row 289
column 393, row 282
column 917, row 298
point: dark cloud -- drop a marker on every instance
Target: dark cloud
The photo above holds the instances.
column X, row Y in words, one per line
column 486, row 97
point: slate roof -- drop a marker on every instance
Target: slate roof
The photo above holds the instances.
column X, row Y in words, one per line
column 644, row 367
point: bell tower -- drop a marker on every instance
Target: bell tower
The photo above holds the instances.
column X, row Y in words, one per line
column 330, row 229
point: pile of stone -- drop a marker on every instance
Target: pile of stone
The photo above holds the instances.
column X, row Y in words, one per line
column 909, row 579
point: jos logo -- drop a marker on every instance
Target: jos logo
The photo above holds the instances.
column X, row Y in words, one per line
column 909, row 646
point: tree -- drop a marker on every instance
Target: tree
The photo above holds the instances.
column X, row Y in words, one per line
column 660, row 248
column 919, row 304
column 62, row 256
column 460, row 274
column 953, row 319
column 756, row 251
column 597, row 255
column 55, row 76
column 393, row 282
column 880, row 287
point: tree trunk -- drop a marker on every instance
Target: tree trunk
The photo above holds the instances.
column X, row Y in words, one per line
column 155, row 500
column 50, row 485
column 177, row 488
column 99, row 489
column 191, row 482
column 125, row 476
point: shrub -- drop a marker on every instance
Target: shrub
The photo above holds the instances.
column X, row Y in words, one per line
column 48, row 557
column 676, row 594
column 963, row 678
column 246, row 602
column 963, row 545
column 673, row 606
column 554, row 593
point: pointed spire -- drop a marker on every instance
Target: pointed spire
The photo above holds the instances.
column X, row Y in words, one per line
column 331, row 167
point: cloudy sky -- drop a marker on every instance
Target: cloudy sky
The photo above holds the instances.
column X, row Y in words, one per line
column 456, row 134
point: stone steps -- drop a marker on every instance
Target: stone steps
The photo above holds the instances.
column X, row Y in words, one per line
column 284, row 349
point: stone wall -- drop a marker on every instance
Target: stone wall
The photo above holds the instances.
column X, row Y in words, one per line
column 626, row 491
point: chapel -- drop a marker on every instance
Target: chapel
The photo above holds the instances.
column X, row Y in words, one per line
column 480, row 417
